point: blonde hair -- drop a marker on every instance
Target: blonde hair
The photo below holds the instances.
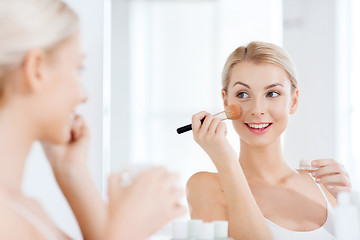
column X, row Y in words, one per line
column 259, row 52
column 31, row 24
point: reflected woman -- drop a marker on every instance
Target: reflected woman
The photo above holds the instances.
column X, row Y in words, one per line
column 260, row 195
column 40, row 87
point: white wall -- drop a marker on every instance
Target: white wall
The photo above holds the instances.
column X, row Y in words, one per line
column 315, row 35
column 311, row 131
column 38, row 181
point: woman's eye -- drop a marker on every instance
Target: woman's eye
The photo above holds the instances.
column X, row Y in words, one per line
column 242, row 95
column 272, row 94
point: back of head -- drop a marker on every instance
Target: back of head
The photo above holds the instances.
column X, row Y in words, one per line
column 31, row 24
column 260, row 52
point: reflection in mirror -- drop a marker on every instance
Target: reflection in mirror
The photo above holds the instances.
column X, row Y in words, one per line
column 168, row 67
column 175, row 54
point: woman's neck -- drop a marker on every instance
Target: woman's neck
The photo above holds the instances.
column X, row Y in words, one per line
column 265, row 163
column 16, row 139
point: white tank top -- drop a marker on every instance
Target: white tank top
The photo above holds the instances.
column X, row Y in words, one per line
column 325, row 232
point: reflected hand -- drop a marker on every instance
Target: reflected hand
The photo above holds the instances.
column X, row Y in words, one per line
column 332, row 175
column 140, row 209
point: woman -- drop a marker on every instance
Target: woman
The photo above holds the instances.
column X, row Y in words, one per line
column 40, row 61
column 257, row 192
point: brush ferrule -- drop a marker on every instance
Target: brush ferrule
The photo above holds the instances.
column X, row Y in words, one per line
column 221, row 115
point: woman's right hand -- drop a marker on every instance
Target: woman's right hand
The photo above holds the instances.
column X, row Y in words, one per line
column 211, row 136
column 140, row 209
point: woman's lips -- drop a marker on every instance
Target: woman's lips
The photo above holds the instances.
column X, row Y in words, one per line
column 258, row 128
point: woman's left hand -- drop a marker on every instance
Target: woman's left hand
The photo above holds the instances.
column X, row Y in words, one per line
column 332, row 175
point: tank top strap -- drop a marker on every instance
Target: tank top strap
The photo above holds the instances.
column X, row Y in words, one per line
column 328, row 204
column 34, row 220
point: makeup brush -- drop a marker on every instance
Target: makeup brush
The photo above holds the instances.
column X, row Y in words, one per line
column 231, row 112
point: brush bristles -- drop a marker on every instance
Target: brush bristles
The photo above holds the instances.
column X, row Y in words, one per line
column 233, row 111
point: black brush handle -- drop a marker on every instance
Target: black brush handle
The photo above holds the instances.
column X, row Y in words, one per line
column 186, row 128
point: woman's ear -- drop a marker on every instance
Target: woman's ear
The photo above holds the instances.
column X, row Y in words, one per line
column 34, row 71
column 224, row 96
column 294, row 101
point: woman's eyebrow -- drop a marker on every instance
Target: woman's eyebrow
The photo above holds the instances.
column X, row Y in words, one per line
column 273, row 85
column 267, row 87
column 241, row 83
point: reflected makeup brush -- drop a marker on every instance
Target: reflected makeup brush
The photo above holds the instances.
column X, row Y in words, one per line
column 231, row 112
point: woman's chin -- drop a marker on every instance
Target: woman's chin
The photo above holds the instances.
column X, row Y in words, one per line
column 258, row 143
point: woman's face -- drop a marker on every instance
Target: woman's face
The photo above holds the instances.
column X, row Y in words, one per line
column 266, row 98
column 63, row 90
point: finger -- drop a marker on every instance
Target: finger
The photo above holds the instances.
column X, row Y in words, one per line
column 329, row 170
column 178, row 211
column 221, row 128
column 213, row 126
column 74, row 127
column 196, row 121
column 177, row 194
column 206, row 124
column 335, row 188
column 153, row 174
column 337, row 179
column 78, row 126
column 84, row 129
column 322, row 162
column 169, row 181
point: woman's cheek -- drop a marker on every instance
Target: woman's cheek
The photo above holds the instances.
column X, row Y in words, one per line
column 279, row 110
column 280, row 115
column 239, row 126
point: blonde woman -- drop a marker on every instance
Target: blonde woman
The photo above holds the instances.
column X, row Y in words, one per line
column 40, row 60
column 257, row 192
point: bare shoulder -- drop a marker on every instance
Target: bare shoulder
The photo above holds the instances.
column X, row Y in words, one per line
column 203, row 184
column 203, row 179
column 205, row 197
column 328, row 195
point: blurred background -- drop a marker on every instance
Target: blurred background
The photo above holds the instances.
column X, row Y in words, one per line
column 151, row 64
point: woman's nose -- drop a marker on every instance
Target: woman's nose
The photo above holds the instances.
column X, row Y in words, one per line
column 258, row 108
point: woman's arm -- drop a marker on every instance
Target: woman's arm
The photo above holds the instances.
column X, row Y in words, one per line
column 85, row 201
column 69, row 164
column 246, row 221
column 205, row 197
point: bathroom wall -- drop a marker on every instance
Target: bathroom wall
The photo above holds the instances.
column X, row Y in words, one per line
column 317, row 36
